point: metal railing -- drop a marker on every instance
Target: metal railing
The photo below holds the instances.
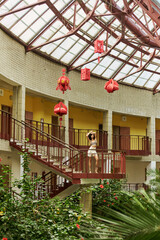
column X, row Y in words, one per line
column 77, row 138
column 59, row 155
column 51, row 129
column 131, row 187
column 132, row 144
column 51, row 185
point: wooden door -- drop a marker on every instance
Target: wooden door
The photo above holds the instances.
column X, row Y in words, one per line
column 6, row 122
column 100, row 135
column 55, row 128
column 158, row 142
column 116, row 132
column 124, row 138
column 71, row 132
column 28, row 119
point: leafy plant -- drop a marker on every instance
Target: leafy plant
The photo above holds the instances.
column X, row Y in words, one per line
column 108, row 193
column 24, row 217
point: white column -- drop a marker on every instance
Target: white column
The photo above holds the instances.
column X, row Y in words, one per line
column 21, row 167
column 19, row 103
column 19, row 110
column 66, row 122
column 107, row 126
column 151, row 128
column 151, row 166
column 15, row 170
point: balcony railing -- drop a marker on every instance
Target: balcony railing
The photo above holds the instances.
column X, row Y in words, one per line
column 78, row 139
column 131, row 187
column 132, row 144
column 64, row 158
column 51, row 129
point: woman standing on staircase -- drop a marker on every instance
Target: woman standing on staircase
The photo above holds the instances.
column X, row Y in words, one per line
column 92, row 149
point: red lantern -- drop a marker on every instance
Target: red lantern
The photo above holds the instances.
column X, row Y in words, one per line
column 98, row 46
column 111, row 86
column 85, row 74
column 63, row 82
column 60, row 109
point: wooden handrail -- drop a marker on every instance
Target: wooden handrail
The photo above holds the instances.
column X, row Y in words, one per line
column 49, row 136
column 42, row 132
column 44, row 122
column 87, row 129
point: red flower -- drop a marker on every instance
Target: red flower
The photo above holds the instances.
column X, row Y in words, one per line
column 116, row 198
column 82, row 238
column 114, row 194
column 107, row 182
column 101, row 186
column 112, row 203
column 108, row 205
column 78, row 226
column 4, row 238
column 104, row 200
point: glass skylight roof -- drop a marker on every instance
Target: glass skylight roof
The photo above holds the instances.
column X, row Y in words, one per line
column 66, row 30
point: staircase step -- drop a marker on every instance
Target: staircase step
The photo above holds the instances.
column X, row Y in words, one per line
column 44, row 157
column 56, row 163
column 19, row 144
column 32, row 150
column 68, row 170
column 11, row 140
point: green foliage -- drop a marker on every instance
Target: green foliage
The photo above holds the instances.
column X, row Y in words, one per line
column 109, row 193
column 139, row 217
column 140, row 220
column 23, row 217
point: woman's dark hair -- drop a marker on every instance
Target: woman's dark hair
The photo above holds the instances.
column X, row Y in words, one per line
column 89, row 136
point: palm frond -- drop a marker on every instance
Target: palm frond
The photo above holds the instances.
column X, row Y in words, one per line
column 139, row 220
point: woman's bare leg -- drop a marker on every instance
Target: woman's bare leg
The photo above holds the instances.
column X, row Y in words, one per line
column 89, row 164
column 96, row 157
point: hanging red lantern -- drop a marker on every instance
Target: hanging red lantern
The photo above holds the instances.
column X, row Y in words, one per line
column 60, row 109
column 98, row 46
column 85, row 74
column 63, row 82
column 111, row 86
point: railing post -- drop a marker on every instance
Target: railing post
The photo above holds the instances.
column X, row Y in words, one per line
column 102, row 170
column 78, row 137
column 2, row 127
column 48, row 149
column 86, row 163
column 74, row 136
column 114, row 163
column 36, row 141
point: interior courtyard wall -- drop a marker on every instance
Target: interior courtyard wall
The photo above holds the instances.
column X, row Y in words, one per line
column 6, row 99
column 135, row 170
column 41, row 108
column 40, row 75
column 137, row 125
column 84, row 118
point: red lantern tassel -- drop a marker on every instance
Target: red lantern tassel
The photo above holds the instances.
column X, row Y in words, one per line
column 98, row 59
column 60, row 122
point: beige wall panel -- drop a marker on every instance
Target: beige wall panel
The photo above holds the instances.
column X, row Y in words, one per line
column 135, row 171
column 13, row 160
column 39, row 168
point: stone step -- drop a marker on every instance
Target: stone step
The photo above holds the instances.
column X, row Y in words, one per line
column 19, row 144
